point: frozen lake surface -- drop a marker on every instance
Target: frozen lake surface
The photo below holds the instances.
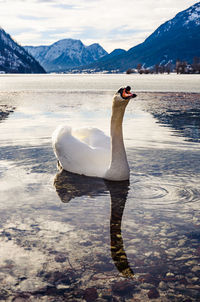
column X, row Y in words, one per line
column 70, row 238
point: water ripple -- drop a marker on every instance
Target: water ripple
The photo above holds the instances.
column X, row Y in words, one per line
column 165, row 194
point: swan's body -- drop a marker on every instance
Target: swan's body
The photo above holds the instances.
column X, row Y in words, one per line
column 83, row 151
column 88, row 151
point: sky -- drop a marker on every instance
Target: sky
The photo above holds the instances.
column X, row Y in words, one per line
column 111, row 23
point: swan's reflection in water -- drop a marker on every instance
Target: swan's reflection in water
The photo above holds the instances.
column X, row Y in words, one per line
column 69, row 185
column 118, row 193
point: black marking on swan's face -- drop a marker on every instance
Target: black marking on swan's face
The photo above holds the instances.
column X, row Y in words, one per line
column 118, row 101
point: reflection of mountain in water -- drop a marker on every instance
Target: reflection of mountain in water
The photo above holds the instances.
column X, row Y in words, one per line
column 69, row 185
column 181, row 111
column 5, row 111
column 33, row 158
column 187, row 122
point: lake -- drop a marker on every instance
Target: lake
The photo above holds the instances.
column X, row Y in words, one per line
column 66, row 237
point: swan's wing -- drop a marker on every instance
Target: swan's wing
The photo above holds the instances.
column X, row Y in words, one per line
column 77, row 156
column 93, row 137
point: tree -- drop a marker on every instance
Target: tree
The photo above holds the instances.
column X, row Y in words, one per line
column 196, row 65
column 181, row 67
column 139, row 67
column 156, row 68
column 129, row 71
column 168, row 67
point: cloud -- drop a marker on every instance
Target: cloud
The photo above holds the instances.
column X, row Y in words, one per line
column 28, row 17
column 111, row 23
column 65, row 6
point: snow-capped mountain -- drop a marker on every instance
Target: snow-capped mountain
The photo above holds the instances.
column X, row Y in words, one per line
column 178, row 38
column 13, row 57
column 64, row 54
column 185, row 20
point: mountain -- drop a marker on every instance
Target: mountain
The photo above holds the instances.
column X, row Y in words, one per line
column 65, row 54
column 178, row 38
column 13, row 57
column 107, row 62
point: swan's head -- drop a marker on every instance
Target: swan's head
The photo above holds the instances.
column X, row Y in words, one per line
column 119, row 102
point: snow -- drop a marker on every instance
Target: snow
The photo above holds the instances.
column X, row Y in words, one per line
column 193, row 16
column 14, row 56
column 71, row 50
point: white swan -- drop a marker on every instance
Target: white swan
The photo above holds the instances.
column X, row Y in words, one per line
column 88, row 151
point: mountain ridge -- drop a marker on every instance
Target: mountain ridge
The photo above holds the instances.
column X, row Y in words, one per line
column 13, row 57
column 66, row 53
column 177, row 38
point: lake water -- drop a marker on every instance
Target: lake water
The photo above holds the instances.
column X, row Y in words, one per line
column 66, row 237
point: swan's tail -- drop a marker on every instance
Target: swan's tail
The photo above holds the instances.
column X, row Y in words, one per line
column 59, row 132
column 57, row 136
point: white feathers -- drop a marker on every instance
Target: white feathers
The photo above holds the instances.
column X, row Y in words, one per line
column 82, row 151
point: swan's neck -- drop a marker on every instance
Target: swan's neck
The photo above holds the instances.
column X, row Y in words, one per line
column 119, row 168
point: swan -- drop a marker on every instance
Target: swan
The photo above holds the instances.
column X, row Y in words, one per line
column 88, row 151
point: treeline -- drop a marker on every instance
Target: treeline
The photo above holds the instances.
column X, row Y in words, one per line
column 181, row 67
